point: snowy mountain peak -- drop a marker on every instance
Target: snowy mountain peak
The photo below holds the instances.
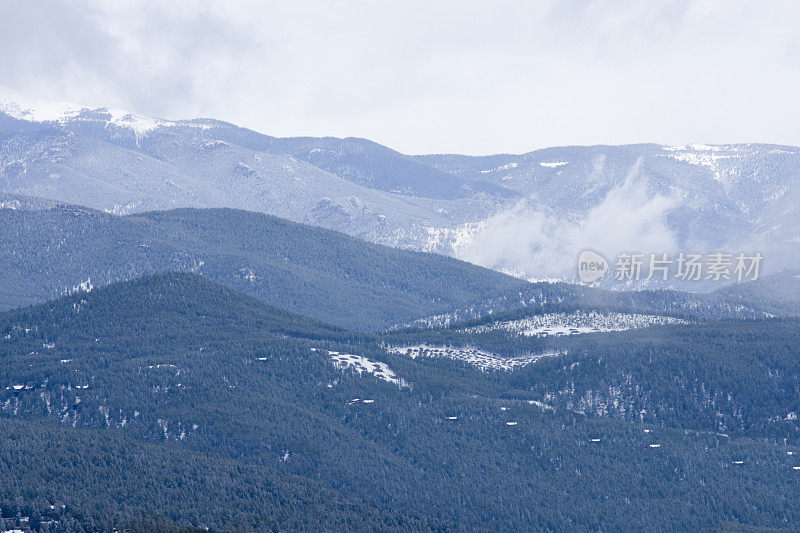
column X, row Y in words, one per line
column 31, row 109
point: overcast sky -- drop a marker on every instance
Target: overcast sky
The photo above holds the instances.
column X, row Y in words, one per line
column 427, row 76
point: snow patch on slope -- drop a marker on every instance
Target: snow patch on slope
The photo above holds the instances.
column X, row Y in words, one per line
column 450, row 240
column 362, row 364
column 509, row 166
column 480, row 358
column 702, row 155
column 558, row 324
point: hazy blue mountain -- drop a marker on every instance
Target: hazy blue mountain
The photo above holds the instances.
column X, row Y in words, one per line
column 110, row 160
column 172, row 401
column 318, row 272
column 777, row 294
column 528, row 214
column 363, row 162
column 641, row 198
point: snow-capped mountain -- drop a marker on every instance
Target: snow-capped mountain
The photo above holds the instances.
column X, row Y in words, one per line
column 124, row 163
column 529, row 214
column 637, row 198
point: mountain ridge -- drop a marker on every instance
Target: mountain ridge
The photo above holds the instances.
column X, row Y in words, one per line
column 527, row 215
column 314, row 271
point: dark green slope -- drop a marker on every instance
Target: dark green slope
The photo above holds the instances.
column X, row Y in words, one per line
column 173, row 400
column 162, row 307
column 221, row 385
column 70, row 479
column 773, row 295
column 740, row 377
column 316, row 272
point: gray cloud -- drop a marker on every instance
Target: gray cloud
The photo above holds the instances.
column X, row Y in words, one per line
column 422, row 76
column 151, row 59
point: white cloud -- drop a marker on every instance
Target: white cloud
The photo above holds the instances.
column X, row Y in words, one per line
column 426, row 76
column 530, row 242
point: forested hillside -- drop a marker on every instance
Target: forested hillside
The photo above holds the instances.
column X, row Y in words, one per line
column 317, row 272
column 48, row 250
column 734, row 376
column 773, row 295
column 173, row 401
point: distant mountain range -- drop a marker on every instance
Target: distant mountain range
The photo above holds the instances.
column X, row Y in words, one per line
column 528, row 215
column 50, row 249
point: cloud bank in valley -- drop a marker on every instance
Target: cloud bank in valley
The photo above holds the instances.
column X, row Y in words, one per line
column 535, row 243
